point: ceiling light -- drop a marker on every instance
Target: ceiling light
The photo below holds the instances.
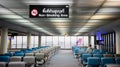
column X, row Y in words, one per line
column 49, row 2
column 109, row 10
column 59, row 20
column 12, row 16
column 94, row 21
column 102, row 16
column 112, row 4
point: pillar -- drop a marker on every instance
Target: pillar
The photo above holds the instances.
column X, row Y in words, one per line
column 4, row 41
column 29, row 40
column 117, row 32
column 89, row 40
column 39, row 41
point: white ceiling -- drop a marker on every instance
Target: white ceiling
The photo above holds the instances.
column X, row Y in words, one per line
column 85, row 15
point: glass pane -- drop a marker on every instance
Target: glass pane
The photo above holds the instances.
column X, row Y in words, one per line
column 19, row 41
column 80, row 41
column 61, row 41
column 55, row 40
column 43, row 40
column 13, row 42
column 32, row 42
column 36, row 41
column 73, row 40
column 85, row 41
column 92, row 41
column 49, row 40
column 67, row 42
column 24, row 41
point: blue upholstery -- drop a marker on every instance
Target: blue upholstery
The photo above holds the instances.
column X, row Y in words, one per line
column 107, row 60
column 8, row 54
column 76, row 51
column 117, row 60
column 103, row 51
column 84, row 58
column 96, row 51
column 4, row 58
column 19, row 54
column 93, row 61
column 98, row 55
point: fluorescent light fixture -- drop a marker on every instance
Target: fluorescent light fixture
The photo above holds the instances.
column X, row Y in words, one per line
column 12, row 16
column 112, row 4
column 83, row 17
column 59, row 20
column 102, row 16
column 94, row 21
column 109, row 10
column 62, row 24
column 84, row 29
column 48, row 2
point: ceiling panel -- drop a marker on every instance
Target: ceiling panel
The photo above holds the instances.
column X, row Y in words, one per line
column 85, row 15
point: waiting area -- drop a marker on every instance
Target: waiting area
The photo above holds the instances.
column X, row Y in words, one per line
column 97, row 58
column 28, row 57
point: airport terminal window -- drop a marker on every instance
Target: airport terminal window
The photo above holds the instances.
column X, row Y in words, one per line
column 61, row 41
column 24, row 41
column 43, row 40
column 36, row 41
column 49, row 41
column 65, row 41
column 85, row 40
column 92, row 41
column 32, row 42
column 19, row 41
column 73, row 40
column 14, row 42
column 55, row 40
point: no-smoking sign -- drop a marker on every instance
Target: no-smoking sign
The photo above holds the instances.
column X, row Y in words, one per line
column 34, row 12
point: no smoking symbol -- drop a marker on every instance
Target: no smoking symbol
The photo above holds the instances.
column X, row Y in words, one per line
column 34, row 12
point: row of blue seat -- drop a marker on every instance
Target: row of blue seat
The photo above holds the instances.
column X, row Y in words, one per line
column 89, row 59
column 6, row 57
column 95, row 61
column 78, row 50
column 96, row 58
column 23, row 51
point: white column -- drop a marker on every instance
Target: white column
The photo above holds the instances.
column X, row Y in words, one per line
column 4, row 41
column 118, row 42
column 39, row 41
column 28, row 40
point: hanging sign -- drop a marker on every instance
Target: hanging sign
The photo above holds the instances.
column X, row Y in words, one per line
column 49, row 11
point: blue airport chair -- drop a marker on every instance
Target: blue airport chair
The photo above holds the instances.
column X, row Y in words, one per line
column 19, row 54
column 4, row 58
column 107, row 60
column 98, row 55
column 117, row 60
column 93, row 61
column 77, row 52
column 96, row 51
column 103, row 51
column 9, row 54
column 84, row 58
